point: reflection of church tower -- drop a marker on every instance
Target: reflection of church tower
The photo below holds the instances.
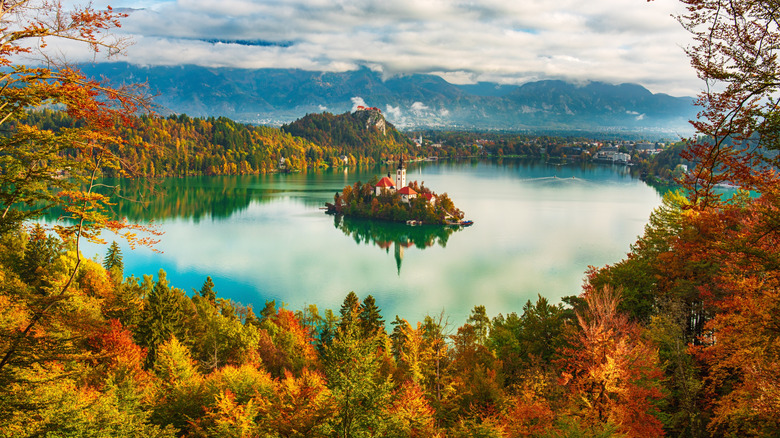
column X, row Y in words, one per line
column 400, row 175
column 399, row 256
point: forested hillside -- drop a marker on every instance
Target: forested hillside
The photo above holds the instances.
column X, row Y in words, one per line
column 182, row 146
column 365, row 133
column 128, row 355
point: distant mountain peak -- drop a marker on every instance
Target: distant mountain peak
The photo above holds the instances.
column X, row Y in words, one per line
column 279, row 96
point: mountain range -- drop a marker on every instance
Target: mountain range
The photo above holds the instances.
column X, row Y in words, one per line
column 278, row 96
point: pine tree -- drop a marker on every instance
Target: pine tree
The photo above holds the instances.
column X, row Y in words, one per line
column 370, row 319
column 268, row 311
column 353, row 368
column 207, row 291
column 113, row 261
column 39, row 255
column 162, row 317
column 397, row 336
column 481, row 323
column 350, row 310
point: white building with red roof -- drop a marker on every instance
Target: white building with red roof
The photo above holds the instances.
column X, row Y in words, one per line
column 384, row 184
column 407, row 193
column 429, row 197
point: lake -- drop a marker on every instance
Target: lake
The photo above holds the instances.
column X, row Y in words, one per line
column 537, row 227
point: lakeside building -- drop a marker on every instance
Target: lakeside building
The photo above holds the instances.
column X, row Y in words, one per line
column 399, row 185
column 384, row 184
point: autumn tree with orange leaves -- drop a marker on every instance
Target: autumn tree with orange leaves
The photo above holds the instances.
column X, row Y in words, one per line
column 41, row 170
column 612, row 373
column 736, row 53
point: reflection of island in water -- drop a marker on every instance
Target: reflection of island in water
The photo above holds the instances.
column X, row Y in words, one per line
column 390, row 234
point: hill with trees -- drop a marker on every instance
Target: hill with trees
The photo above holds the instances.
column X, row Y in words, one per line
column 364, row 132
column 183, row 146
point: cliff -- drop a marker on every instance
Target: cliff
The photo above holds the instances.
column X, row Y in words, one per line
column 364, row 131
column 371, row 117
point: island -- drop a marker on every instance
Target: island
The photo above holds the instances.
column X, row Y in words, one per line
column 393, row 200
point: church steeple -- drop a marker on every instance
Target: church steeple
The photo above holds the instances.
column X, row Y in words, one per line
column 399, row 256
column 400, row 174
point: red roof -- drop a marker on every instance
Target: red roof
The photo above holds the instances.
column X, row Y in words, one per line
column 407, row 191
column 427, row 196
column 385, row 182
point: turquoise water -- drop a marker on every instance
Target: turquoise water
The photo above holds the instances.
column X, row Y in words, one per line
column 537, row 228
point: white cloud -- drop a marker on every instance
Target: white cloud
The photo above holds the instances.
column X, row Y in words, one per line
column 356, row 102
column 614, row 41
column 418, row 108
column 393, row 113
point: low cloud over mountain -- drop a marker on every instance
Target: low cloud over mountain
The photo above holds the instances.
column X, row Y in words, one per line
column 276, row 96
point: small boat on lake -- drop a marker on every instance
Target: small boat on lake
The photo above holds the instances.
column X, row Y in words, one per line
column 461, row 223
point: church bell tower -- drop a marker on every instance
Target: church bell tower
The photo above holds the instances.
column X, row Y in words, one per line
column 400, row 175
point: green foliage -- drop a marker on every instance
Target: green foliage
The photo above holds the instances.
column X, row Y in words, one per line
column 360, row 200
column 179, row 396
column 219, row 338
column 481, row 323
column 530, row 343
column 371, row 321
column 351, row 133
column 113, row 261
column 352, row 364
column 207, row 290
column 37, row 267
column 162, row 317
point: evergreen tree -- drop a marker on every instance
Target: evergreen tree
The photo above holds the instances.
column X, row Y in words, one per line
column 353, row 368
column 350, row 310
column 113, row 262
column 330, row 323
column 397, row 336
column 269, row 310
column 39, row 255
column 207, row 291
column 370, row 320
column 481, row 323
column 162, row 317
column 127, row 303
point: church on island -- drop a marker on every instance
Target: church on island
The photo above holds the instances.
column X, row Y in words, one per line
column 387, row 185
column 395, row 200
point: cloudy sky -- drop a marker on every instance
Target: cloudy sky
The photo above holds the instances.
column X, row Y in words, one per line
column 506, row 41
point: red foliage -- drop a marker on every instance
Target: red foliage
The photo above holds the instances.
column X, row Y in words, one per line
column 611, row 372
column 115, row 348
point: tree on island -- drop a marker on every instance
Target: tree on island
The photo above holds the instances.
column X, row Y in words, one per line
column 360, row 200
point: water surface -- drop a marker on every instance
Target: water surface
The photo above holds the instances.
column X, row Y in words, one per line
column 537, row 228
